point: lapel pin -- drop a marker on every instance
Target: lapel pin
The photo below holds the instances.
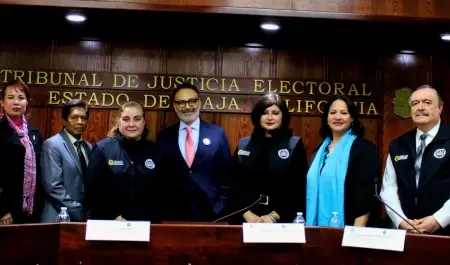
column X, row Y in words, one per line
column 206, row 141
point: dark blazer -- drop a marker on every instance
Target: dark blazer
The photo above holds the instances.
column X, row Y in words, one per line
column 12, row 154
column 263, row 171
column 199, row 193
column 362, row 172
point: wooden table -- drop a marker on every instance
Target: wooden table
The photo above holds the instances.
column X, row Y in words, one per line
column 202, row 244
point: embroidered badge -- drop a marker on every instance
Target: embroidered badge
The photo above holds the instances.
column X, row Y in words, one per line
column 115, row 162
column 206, row 141
column 402, row 157
column 243, row 153
column 283, row 153
column 149, row 164
column 439, row 153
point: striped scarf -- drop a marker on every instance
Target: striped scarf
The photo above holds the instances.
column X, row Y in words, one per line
column 29, row 181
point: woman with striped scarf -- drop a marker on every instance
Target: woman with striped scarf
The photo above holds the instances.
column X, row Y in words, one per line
column 20, row 145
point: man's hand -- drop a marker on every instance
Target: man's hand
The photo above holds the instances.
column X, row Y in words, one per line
column 404, row 225
column 428, row 225
column 6, row 220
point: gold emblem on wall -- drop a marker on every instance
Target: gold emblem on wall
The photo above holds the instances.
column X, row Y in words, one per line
column 401, row 102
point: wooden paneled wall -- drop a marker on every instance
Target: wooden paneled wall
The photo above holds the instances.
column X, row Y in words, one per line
column 390, row 72
column 350, row 9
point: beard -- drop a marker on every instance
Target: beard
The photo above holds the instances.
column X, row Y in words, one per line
column 188, row 115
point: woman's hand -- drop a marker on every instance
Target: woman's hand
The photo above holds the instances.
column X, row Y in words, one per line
column 6, row 220
column 266, row 219
column 251, row 217
column 120, row 218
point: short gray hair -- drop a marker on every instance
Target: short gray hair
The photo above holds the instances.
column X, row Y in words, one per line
column 425, row 87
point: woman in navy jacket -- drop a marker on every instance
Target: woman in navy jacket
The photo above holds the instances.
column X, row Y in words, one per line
column 271, row 162
column 122, row 181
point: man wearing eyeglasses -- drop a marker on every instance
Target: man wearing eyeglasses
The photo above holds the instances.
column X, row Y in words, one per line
column 194, row 158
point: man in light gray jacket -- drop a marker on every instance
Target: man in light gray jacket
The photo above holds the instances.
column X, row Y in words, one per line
column 64, row 160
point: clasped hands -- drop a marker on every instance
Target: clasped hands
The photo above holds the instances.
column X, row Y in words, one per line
column 253, row 218
column 427, row 225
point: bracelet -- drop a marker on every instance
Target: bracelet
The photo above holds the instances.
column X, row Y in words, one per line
column 272, row 217
column 275, row 215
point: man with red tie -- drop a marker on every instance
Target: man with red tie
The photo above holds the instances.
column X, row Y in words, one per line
column 194, row 158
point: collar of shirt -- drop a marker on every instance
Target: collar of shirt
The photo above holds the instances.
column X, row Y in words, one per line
column 71, row 138
column 195, row 125
column 431, row 133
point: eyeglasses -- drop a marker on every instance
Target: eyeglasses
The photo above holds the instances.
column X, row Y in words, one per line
column 191, row 102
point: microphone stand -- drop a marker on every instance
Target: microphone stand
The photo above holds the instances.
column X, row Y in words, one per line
column 403, row 218
column 241, row 210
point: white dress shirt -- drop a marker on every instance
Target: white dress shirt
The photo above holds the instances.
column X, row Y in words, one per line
column 182, row 132
column 389, row 189
column 73, row 140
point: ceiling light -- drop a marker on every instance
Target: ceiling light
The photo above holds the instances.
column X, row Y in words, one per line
column 407, row 51
column 445, row 36
column 270, row 26
column 254, row 44
column 76, row 18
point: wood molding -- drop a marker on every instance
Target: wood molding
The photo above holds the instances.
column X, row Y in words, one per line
column 426, row 11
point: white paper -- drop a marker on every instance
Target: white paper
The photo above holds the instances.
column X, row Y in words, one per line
column 108, row 230
column 374, row 238
column 273, row 233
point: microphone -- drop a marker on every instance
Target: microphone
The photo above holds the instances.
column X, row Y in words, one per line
column 262, row 196
column 399, row 215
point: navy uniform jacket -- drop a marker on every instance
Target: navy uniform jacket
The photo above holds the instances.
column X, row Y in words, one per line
column 122, row 180
column 434, row 181
column 275, row 167
column 199, row 193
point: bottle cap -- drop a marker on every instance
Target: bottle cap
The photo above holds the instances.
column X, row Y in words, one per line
column 299, row 213
column 335, row 212
column 63, row 208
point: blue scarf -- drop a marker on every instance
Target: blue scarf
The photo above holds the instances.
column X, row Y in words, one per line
column 325, row 190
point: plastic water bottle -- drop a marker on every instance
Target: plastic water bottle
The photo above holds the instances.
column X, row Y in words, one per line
column 299, row 219
column 335, row 220
column 63, row 216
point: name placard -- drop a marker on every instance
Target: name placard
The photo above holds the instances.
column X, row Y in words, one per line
column 110, row 230
column 273, row 233
column 374, row 238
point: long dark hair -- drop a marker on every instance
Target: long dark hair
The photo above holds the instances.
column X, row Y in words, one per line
column 357, row 127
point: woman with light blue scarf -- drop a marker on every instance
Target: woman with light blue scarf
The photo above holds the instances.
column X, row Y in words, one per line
column 343, row 169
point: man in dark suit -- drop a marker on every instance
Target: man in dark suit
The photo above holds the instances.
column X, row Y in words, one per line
column 64, row 161
column 194, row 161
column 416, row 181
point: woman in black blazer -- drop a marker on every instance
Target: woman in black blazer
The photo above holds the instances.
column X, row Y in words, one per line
column 20, row 145
column 271, row 162
column 343, row 169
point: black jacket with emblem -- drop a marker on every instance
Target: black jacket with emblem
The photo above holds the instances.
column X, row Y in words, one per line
column 434, row 181
column 12, row 154
column 274, row 166
column 122, row 180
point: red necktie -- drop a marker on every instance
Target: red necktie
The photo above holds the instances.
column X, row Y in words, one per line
column 189, row 146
